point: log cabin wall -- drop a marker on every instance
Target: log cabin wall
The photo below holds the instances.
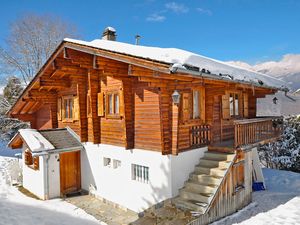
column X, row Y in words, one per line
column 112, row 128
column 147, row 122
column 72, row 91
column 43, row 119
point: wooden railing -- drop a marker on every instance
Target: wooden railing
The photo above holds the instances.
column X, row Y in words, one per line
column 200, row 135
column 251, row 131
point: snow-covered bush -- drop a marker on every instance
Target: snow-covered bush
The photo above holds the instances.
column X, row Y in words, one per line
column 285, row 153
column 14, row 172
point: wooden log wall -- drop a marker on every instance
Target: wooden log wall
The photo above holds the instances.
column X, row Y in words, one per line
column 147, row 124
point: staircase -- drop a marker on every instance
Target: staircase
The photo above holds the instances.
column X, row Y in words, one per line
column 199, row 191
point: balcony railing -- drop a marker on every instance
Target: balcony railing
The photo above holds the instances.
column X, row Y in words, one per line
column 251, row 131
column 200, row 135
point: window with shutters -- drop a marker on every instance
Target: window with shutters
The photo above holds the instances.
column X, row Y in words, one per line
column 230, row 105
column 140, row 173
column 70, row 108
column 30, row 161
column 114, row 104
column 193, row 105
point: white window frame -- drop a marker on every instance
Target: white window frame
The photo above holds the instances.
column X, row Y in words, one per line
column 140, row 173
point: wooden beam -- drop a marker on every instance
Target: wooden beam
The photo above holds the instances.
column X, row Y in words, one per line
column 54, row 83
column 27, row 107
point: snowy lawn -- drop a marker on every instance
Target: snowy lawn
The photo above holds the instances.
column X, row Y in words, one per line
column 280, row 204
column 16, row 208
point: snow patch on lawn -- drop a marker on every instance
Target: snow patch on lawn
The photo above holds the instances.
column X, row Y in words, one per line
column 16, row 208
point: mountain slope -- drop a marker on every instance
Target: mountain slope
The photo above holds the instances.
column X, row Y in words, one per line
column 287, row 69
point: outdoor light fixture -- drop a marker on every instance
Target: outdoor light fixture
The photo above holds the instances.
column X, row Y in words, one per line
column 176, row 97
column 275, row 100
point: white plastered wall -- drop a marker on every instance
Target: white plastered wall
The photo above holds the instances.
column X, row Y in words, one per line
column 166, row 174
column 33, row 180
column 54, row 176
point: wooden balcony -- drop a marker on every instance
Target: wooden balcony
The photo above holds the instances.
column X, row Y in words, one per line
column 258, row 130
column 247, row 133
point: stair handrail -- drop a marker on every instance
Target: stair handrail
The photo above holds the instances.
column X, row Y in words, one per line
column 221, row 183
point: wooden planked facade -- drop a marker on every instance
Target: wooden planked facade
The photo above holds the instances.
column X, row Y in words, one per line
column 146, row 117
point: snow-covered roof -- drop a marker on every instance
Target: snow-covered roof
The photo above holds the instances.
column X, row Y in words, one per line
column 35, row 141
column 185, row 59
column 51, row 140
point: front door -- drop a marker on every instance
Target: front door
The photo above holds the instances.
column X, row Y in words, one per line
column 70, row 180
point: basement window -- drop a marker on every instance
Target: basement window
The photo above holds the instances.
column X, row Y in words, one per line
column 140, row 173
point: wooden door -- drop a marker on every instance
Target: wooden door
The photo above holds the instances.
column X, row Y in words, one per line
column 70, row 180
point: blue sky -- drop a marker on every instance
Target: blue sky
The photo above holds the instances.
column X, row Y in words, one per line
column 247, row 30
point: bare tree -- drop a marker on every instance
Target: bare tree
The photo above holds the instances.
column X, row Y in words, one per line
column 31, row 41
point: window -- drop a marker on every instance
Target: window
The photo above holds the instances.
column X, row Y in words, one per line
column 193, row 104
column 196, row 105
column 107, row 162
column 32, row 162
column 68, row 108
column 113, row 102
column 234, row 104
column 140, row 173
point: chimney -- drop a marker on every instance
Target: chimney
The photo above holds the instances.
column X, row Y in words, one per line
column 109, row 33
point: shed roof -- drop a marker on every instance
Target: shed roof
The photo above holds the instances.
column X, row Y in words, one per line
column 46, row 140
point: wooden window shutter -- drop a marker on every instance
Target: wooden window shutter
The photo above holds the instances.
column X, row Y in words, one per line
column 76, row 108
column 186, row 109
column 28, row 158
column 225, row 106
column 36, row 163
column 121, row 103
column 202, row 104
column 246, row 106
column 59, row 109
column 101, row 104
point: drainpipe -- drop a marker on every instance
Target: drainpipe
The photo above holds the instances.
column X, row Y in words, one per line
column 46, row 177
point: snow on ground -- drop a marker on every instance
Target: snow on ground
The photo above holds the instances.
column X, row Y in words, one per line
column 279, row 204
column 18, row 209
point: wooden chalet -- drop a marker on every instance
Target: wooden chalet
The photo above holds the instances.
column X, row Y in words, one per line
column 123, row 103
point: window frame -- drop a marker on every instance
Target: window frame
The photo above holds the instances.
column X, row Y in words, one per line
column 114, row 114
column 71, row 99
column 235, row 112
column 140, row 173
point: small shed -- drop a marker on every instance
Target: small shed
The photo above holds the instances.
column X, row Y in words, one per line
column 51, row 161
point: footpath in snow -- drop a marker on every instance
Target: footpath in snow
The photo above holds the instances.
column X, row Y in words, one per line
column 18, row 209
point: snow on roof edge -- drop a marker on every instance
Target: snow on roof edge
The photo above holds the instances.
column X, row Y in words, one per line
column 179, row 56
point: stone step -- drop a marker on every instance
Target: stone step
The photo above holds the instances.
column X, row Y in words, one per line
column 203, row 197
column 213, row 163
column 199, row 188
column 219, row 156
column 191, row 205
column 210, row 171
column 205, row 179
